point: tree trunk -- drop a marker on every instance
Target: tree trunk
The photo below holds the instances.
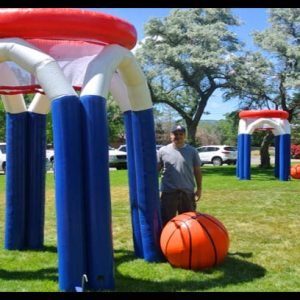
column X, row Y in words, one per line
column 264, row 151
column 191, row 130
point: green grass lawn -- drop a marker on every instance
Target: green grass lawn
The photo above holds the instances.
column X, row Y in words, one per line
column 261, row 216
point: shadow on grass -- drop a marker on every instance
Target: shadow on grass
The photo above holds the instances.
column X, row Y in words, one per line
column 51, row 249
column 232, row 271
column 41, row 274
column 255, row 172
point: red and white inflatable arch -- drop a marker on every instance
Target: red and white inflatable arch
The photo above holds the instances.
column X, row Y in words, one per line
column 273, row 120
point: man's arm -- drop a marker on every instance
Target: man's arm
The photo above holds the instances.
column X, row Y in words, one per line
column 159, row 161
column 198, row 177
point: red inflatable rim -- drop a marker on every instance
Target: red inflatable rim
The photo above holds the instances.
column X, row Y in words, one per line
column 264, row 114
column 66, row 24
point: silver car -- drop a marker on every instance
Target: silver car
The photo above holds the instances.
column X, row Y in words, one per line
column 117, row 158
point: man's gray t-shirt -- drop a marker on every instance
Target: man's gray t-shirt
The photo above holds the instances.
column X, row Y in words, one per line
column 178, row 167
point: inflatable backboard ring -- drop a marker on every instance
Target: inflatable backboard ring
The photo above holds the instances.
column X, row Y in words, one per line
column 73, row 37
column 264, row 114
column 66, row 24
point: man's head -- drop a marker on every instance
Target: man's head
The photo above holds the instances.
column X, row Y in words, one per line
column 177, row 135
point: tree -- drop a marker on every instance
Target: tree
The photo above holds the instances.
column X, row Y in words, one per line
column 282, row 40
column 228, row 128
column 186, row 57
column 295, row 123
column 208, row 134
column 115, row 122
column 278, row 81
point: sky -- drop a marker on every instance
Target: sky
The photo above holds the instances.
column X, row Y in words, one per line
column 252, row 18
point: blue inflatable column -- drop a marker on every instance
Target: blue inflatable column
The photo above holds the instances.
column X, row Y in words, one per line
column 134, row 206
column 66, row 115
column 35, row 180
column 147, row 183
column 284, row 156
column 16, row 147
column 100, row 263
column 277, row 156
column 247, row 156
column 244, row 156
column 240, row 158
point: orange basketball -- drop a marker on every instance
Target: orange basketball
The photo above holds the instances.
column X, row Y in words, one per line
column 295, row 171
column 194, row 241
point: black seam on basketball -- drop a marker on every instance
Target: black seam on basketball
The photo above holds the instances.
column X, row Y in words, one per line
column 207, row 217
column 190, row 238
column 191, row 217
column 170, row 237
column 211, row 240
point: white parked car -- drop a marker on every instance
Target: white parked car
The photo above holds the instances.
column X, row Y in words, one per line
column 117, row 158
column 2, row 157
column 123, row 148
column 218, row 154
column 50, row 157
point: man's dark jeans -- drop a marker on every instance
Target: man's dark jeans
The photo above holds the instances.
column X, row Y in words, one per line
column 176, row 201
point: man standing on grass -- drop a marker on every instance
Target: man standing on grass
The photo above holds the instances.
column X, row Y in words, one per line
column 180, row 165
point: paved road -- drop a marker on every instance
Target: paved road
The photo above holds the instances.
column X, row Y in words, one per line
column 255, row 160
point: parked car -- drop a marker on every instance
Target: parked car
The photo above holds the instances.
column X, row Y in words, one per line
column 117, row 158
column 218, row 154
column 123, row 148
column 2, row 157
column 50, row 157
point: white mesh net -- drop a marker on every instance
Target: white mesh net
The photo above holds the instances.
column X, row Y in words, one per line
column 73, row 58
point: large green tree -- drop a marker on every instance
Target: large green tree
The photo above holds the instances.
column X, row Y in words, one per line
column 282, row 41
column 115, row 122
column 228, row 129
column 278, row 83
column 186, row 57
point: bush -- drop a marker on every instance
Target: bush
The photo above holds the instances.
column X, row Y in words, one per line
column 295, row 151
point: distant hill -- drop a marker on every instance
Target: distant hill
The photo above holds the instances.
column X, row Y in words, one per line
column 208, row 121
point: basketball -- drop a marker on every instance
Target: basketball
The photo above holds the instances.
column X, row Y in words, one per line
column 295, row 171
column 194, row 241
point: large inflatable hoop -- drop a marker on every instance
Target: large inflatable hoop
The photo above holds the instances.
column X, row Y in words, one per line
column 66, row 24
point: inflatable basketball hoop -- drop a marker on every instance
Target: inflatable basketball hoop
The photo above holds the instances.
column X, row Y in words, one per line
column 59, row 53
column 273, row 120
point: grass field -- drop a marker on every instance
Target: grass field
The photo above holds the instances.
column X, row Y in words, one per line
column 261, row 216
